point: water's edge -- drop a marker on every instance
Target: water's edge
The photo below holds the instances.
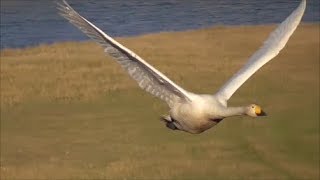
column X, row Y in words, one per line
column 29, row 23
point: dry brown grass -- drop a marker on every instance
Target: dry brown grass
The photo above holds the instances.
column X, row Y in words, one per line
column 68, row 111
column 81, row 71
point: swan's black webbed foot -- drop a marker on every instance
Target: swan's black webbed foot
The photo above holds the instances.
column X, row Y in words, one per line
column 171, row 125
column 169, row 122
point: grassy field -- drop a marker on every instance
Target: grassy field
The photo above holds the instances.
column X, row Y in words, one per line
column 69, row 111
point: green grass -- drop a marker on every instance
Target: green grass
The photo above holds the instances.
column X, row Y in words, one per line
column 69, row 112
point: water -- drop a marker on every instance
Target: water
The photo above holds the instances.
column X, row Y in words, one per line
column 30, row 22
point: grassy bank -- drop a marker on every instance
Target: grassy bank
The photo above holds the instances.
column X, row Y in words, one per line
column 69, row 111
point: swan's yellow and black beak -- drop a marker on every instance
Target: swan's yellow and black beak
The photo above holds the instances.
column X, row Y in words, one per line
column 259, row 111
column 262, row 113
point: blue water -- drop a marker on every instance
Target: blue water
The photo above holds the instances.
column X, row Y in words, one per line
column 31, row 22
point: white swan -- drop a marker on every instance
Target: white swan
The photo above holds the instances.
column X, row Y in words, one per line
column 189, row 112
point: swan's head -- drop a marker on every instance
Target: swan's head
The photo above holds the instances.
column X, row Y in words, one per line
column 254, row 110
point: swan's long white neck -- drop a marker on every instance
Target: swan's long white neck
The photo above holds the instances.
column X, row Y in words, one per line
column 234, row 111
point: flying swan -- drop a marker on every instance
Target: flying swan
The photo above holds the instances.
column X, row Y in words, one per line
column 189, row 112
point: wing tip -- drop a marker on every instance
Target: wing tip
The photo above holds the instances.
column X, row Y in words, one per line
column 63, row 6
column 302, row 6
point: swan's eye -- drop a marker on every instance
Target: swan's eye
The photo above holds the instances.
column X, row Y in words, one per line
column 252, row 107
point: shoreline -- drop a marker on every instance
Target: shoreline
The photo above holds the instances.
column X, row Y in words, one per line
column 162, row 32
column 215, row 47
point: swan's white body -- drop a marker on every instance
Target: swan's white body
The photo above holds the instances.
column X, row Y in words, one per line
column 188, row 111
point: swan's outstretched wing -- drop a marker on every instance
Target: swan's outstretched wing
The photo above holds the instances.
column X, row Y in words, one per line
column 147, row 76
column 272, row 46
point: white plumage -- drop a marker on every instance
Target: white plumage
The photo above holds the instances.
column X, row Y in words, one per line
column 271, row 48
column 188, row 111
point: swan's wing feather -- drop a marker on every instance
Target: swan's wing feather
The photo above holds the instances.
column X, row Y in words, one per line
column 272, row 46
column 148, row 78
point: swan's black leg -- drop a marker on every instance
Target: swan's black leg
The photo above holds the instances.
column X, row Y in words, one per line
column 171, row 125
column 170, row 122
